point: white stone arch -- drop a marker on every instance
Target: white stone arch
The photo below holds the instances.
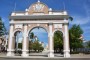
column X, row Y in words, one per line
column 29, row 30
column 18, row 29
column 58, row 30
column 15, row 31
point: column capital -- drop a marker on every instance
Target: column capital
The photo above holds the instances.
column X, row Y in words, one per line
column 50, row 23
column 50, row 34
column 11, row 24
column 25, row 24
column 65, row 19
column 65, row 23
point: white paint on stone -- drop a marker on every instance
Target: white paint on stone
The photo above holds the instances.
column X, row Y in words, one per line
column 51, row 47
column 10, row 50
column 24, row 48
column 57, row 25
column 18, row 26
column 66, row 41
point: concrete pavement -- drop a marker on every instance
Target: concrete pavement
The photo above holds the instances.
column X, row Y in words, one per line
column 38, row 55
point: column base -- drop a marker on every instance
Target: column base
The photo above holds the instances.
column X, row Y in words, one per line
column 51, row 54
column 67, row 54
column 10, row 53
column 25, row 53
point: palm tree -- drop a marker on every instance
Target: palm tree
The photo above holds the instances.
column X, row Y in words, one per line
column 31, row 35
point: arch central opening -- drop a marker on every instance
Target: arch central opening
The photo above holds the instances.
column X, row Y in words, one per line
column 38, row 40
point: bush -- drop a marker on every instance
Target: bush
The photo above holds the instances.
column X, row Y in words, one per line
column 74, row 52
column 87, row 52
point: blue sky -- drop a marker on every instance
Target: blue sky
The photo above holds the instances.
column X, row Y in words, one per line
column 41, row 34
column 78, row 9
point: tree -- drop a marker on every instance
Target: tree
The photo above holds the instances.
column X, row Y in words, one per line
column 34, row 44
column 3, row 30
column 37, row 47
column 30, row 45
column 20, row 45
column 58, row 41
column 75, row 33
column 31, row 35
column 88, row 44
column 1, row 27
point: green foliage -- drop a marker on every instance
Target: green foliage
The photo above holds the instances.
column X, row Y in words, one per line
column 20, row 45
column 30, row 45
column 31, row 35
column 2, row 28
column 75, row 33
column 58, row 40
column 35, row 45
column 88, row 44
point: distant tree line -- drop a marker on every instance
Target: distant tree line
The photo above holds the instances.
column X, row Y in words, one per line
column 34, row 45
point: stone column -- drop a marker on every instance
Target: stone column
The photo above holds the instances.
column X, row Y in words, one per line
column 10, row 42
column 27, row 46
column 50, row 43
column 24, row 45
column 66, row 41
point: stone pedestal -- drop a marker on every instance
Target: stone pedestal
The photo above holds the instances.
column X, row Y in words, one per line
column 67, row 53
column 51, row 53
column 25, row 53
column 10, row 53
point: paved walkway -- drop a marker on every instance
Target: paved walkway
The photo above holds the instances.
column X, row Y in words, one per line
column 80, row 55
column 36, row 55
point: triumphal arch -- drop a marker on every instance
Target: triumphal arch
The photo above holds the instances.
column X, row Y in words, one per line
column 38, row 15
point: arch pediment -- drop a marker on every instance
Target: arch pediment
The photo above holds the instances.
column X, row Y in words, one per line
column 38, row 7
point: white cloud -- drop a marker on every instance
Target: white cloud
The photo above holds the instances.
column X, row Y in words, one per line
column 80, row 20
column 86, row 29
column 20, row 40
column 86, row 34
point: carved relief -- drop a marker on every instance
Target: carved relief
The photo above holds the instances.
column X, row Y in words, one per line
column 38, row 8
